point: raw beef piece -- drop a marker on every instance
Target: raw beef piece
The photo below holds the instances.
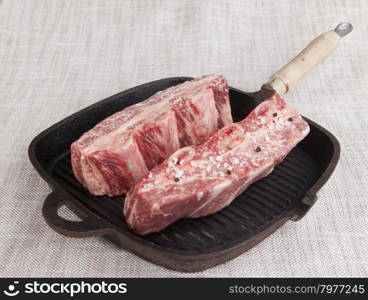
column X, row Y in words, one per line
column 200, row 180
column 120, row 150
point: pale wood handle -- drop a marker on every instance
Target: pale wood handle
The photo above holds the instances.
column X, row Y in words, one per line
column 317, row 50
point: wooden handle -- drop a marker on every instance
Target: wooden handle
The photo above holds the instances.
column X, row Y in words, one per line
column 317, row 50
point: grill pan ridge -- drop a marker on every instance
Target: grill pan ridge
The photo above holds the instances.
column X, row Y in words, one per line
column 189, row 244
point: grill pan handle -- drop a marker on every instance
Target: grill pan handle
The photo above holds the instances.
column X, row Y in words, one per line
column 316, row 51
column 91, row 225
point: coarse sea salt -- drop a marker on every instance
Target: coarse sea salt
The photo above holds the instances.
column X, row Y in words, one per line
column 179, row 173
column 260, row 120
column 234, row 160
column 147, row 187
column 254, row 162
column 172, row 162
column 250, row 136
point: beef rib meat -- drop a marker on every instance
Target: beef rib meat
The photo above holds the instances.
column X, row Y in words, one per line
column 200, row 180
column 120, row 150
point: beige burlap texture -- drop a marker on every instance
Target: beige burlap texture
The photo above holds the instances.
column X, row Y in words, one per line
column 57, row 57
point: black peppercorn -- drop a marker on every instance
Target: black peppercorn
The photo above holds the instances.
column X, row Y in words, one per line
column 176, row 179
column 290, row 119
column 274, row 115
column 228, row 172
column 258, row 149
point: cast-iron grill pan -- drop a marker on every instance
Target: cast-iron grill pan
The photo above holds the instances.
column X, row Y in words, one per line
column 188, row 244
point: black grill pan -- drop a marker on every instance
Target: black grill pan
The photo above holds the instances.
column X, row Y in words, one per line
column 194, row 244
column 189, row 244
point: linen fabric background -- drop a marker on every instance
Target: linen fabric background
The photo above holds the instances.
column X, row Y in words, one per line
column 57, row 57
